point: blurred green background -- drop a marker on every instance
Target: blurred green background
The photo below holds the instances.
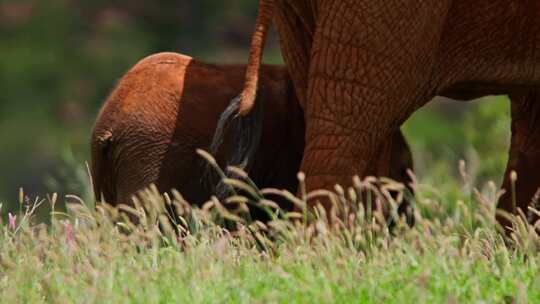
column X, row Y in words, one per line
column 60, row 58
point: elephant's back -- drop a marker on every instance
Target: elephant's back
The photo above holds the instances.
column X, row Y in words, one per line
column 177, row 88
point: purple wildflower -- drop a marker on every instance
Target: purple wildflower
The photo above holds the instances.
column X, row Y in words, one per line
column 70, row 234
column 12, row 221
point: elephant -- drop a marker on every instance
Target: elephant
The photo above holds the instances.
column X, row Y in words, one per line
column 361, row 68
column 168, row 105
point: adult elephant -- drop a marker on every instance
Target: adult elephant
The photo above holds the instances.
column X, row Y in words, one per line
column 361, row 68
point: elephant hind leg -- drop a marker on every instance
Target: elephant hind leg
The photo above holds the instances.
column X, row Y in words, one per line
column 295, row 23
column 401, row 161
column 524, row 157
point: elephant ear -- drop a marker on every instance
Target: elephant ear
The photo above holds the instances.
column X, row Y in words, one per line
column 104, row 140
column 102, row 143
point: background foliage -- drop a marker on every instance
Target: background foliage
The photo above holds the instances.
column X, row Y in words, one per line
column 60, row 58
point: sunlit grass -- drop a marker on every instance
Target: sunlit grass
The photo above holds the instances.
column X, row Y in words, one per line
column 453, row 254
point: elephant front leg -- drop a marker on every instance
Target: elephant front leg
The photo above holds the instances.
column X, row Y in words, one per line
column 524, row 158
column 336, row 152
column 350, row 127
column 367, row 75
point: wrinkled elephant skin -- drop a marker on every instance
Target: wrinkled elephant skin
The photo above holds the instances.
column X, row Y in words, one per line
column 168, row 105
column 362, row 67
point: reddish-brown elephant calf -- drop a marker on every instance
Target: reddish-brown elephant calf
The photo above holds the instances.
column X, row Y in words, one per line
column 168, row 105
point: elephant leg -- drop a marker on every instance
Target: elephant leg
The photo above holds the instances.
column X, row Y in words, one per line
column 364, row 82
column 296, row 29
column 524, row 157
column 401, row 162
column 394, row 161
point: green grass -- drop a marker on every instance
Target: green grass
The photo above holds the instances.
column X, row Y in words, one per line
column 453, row 254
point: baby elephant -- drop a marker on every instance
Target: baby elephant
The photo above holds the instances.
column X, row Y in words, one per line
column 168, row 105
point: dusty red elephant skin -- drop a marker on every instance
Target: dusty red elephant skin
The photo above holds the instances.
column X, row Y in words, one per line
column 361, row 68
column 168, row 105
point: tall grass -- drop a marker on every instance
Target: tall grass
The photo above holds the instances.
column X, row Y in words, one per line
column 452, row 254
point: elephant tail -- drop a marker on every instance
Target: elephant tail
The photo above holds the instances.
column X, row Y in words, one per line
column 242, row 119
column 245, row 132
column 258, row 40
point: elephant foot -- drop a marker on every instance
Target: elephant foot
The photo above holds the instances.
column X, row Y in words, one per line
column 520, row 194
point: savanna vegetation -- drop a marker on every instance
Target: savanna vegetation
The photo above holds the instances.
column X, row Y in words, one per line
column 59, row 60
column 453, row 254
